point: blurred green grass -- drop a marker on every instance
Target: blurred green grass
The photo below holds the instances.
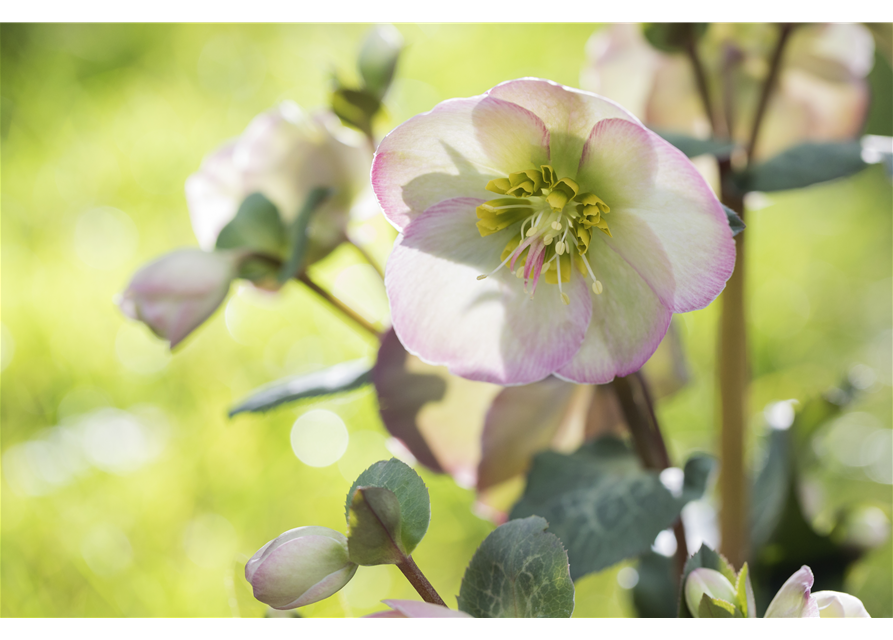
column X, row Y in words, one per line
column 101, row 125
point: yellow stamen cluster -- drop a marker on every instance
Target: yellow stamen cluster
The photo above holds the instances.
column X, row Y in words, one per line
column 549, row 209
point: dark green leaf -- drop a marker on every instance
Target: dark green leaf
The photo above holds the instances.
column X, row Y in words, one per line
column 655, row 594
column 297, row 232
column 804, row 165
column 672, row 37
column 771, row 488
column 374, row 521
column 257, row 226
column 378, row 58
column 342, row 377
column 735, row 223
column 415, row 507
column 705, row 558
column 694, row 147
column 601, row 504
column 519, row 571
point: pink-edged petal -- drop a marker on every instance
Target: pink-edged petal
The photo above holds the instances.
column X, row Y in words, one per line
column 521, row 422
column 794, row 600
column 665, row 220
column 453, row 151
column 628, row 322
column 416, row 609
column 834, row 604
column 487, row 330
column 438, row 416
column 569, row 114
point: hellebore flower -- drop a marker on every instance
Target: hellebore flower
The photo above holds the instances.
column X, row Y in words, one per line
column 822, row 91
column 178, row 291
column 300, row 567
column 415, row 609
column 793, row 600
column 486, row 285
column 284, row 154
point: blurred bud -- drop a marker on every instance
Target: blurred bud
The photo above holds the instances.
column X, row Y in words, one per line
column 284, row 154
column 415, row 609
column 177, row 292
column 708, row 582
column 300, row 567
column 378, row 58
column 833, row 604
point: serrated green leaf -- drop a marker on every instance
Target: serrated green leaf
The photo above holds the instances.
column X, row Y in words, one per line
column 805, row 165
column 519, row 571
column 411, row 492
column 694, row 147
column 374, row 527
column 715, row 608
column 704, row 558
column 256, row 226
column 735, row 222
column 342, row 377
column 601, row 504
column 297, row 232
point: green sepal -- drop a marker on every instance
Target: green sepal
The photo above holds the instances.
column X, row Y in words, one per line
column 256, row 226
column 355, row 108
column 297, row 232
column 736, row 224
column 374, row 536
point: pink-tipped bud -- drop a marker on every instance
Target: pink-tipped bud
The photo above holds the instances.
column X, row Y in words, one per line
column 300, row 567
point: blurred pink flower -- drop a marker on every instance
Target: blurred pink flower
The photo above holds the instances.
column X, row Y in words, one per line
column 822, row 91
column 284, row 154
column 583, row 186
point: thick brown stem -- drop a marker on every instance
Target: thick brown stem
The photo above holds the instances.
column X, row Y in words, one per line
column 638, row 410
column 338, row 304
column 703, row 89
column 418, row 580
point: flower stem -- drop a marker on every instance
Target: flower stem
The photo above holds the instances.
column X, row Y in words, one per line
column 638, row 410
column 704, row 91
column 418, row 580
column 338, row 304
column 768, row 87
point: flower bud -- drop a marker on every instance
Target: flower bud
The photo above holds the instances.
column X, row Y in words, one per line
column 300, row 567
column 709, row 582
column 177, row 292
column 378, row 58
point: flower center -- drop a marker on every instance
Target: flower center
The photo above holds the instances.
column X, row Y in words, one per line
column 556, row 226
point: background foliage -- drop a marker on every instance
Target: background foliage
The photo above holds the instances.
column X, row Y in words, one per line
column 126, row 490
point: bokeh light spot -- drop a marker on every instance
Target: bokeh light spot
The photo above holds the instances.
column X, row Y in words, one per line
column 319, row 438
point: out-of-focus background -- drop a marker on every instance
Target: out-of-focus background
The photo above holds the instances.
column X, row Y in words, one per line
column 126, row 491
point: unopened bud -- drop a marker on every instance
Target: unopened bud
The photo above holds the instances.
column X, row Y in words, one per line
column 709, row 582
column 300, row 567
